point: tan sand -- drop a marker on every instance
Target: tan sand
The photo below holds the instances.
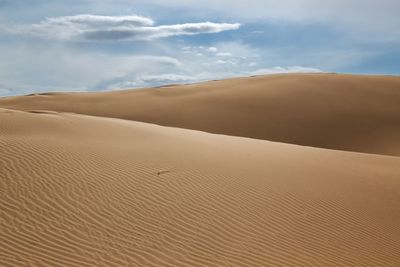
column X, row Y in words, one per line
column 77, row 190
column 344, row 112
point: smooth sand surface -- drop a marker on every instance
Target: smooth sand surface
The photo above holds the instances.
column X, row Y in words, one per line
column 335, row 111
column 77, row 190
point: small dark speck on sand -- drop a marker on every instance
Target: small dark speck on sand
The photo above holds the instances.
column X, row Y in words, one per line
column 162, row 172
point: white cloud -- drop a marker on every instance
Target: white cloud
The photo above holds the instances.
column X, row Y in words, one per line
column 84, row 70
column 221, row 62
column 357, row 17
column 240, row 51
column 152, row 80
column 114, row 28
column 224, row 54
column 291, row 69
column 167, row 77
column 95, row 20
column 207, row 67
column 59, row 68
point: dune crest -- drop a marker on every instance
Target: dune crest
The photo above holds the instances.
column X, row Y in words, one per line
column 344, row 112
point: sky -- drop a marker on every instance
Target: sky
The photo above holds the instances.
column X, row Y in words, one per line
column 92, row 45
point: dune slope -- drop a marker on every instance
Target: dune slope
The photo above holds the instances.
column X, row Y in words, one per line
column 344, row 112
column 84, row 191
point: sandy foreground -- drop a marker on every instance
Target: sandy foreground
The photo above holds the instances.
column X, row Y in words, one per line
column 80, row 190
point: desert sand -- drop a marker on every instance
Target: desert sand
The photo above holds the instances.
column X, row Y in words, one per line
column 344, row 112
column 100, row 188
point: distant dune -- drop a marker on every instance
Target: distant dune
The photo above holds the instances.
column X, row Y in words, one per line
column 344, row 112
column 84, row 183
column 80, row 191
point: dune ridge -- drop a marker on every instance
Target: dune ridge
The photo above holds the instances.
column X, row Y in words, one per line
column 78, row 190
column 344, row 112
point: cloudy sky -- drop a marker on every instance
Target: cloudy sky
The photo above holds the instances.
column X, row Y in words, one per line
column 87, row 45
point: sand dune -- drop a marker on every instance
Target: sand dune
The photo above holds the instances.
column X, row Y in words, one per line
column 108, row 190
column 78, row 190
column 344, row 112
